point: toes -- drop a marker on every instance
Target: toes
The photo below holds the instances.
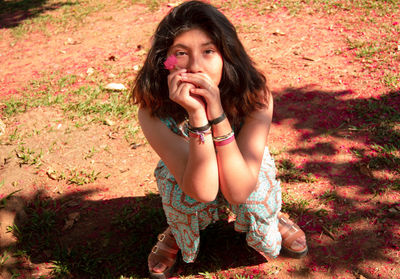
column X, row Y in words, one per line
column 160, row 267
column 299, row 243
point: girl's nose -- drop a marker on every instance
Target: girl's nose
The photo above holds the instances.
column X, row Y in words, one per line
column 195, row 65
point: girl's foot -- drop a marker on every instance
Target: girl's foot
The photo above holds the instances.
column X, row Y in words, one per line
column 293, row 238
column 162, row 257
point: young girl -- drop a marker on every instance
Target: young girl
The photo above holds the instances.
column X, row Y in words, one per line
column 206, row 111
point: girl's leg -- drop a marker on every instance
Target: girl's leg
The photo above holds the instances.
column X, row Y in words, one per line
column 185, row 216
column 267, row 228
column 258, row 217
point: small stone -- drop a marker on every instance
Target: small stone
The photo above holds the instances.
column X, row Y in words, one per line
column 90, row 71
column 115, row 86
column 109, row 122
column 71, row 41
column 2, row 128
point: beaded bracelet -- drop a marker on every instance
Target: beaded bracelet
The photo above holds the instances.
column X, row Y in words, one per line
column 225, row 139
column 224, row 142
column 199, row 129
column 199, row 134
column 218, row 119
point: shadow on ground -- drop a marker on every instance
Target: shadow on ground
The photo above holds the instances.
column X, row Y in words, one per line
column 317, row 114
column 360, row 228
column 112, row 238
column 14, row 12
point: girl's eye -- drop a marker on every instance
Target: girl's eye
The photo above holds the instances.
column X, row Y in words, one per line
column 209, row 51
column 180, row 53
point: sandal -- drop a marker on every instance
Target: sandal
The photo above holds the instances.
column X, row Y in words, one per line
column 164, row 253
column 290, row 233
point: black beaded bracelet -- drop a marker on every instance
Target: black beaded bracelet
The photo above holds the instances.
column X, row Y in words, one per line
column 199, row 129
column 218, row 119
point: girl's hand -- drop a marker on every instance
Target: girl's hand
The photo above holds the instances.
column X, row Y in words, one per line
column 180, row 92
column 207, row 90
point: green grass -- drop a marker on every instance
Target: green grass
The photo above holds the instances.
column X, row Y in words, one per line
column 60, row 15
column 93, row 101
column 28, row 156
column 380, row 118
column 289, row 173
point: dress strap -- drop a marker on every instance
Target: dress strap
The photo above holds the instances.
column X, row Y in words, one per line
column 180, row 130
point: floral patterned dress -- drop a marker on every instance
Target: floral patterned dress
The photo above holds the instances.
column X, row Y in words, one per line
column 257, row 217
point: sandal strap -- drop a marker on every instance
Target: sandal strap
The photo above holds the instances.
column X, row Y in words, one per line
column 292, row 232
column 162, row 244
column 167, row 257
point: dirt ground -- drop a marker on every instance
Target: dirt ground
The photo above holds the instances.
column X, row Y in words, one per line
column 315, row 83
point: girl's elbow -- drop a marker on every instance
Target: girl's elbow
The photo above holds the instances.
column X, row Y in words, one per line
column 236, row 200
column 206, row 197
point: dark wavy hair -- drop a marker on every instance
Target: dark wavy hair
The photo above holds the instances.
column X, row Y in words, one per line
column 242, row 87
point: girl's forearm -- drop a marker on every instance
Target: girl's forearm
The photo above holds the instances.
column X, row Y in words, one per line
column 237, row 180
column 200, row 177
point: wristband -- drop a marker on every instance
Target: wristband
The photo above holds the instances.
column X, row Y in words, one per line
column 218, row 119
column 225, row 141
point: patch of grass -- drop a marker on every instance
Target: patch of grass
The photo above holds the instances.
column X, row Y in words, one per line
column 131, row 132
column 380, row 118
column 289, row 173
column 294, row 205
column 3, row 200
column 28, row 156
column 329, row 195
column 39, row 15
column 81, row 177
column 392, row 80
column 90, row 153
column 93, row 102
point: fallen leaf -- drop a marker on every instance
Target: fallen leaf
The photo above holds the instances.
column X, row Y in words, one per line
column 364, row 169
column 278, row 32
column 51, row 173
column 70, row 221
column 308, row 58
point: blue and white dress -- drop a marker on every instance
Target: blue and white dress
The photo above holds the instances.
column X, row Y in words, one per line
column 257, row 217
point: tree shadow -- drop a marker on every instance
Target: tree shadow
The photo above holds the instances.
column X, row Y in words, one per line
column 318, row 113
column 357, row 228
column 14, row 12
column 111, row 238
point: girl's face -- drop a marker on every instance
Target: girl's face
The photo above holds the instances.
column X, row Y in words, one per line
column 197, row 53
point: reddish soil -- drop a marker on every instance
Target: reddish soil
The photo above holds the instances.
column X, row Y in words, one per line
column 314, row 88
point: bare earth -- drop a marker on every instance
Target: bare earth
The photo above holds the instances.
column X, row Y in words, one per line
column 306, row 60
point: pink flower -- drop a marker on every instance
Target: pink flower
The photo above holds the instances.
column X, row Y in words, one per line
column 170, row 62
column 395, row 23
